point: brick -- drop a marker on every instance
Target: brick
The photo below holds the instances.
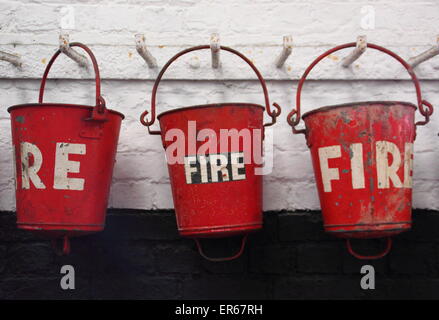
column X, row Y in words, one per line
column 220, row 287
column 124, row 257
column 3, row 251
column 43, row 289
column 301, row 227
column 397, row 288
column 269, row 231
column 317, row 287
column 9, row 231
column 177, row 258
column 272, row 259
column 131, row 286
column 319, row 258
column 423, row 227
column 30, row 259
column 137, row 225
column 425, row 289
column 412, row 259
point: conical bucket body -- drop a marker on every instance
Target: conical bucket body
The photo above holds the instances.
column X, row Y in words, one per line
column 215, row 186
column 64, row 165
column 362, row 155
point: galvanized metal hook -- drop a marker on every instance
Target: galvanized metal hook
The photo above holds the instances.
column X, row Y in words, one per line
column 143, row 51
column 215, row 50
column 426, row 55
column 11, row 58
column 64, row 47
column 286, row 51
column 360, row 48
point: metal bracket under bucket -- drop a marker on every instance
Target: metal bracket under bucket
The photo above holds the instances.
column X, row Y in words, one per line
column 65, row 248
column 378, row 256
column 237, row 255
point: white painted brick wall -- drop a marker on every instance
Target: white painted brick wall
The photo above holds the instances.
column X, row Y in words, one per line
column 255, row 27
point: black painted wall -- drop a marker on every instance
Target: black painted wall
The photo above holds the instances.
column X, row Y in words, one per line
column 141, row 256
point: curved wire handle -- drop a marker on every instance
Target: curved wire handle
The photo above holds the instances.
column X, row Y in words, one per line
column 272, row 113
column 100, row 111
column 235, row 256
column 293, row 117
column 374, row 257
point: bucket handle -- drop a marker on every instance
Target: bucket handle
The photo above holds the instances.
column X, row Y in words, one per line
column 65, row 247
column 272, row 113
column 374, row 257
column 235, row 256
column 293, row 117
column 99, row 111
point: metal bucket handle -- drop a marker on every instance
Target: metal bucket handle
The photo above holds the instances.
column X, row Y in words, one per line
column 99, row 111
column 293, row 117
column 235, row 256
column 272, row 113
column 65, row 246
column 378, row 256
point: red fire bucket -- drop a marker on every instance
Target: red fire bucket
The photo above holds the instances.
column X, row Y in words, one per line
column 362, row 154
column 215, row 189
column 64, row 158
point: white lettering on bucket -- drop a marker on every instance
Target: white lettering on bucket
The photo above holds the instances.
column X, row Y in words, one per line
column 63, row 166
column 208, row 141
column 329, row 174
column 218, row 163
column 188, row 169
column 214, row 168
column 29, row 172
column 357, row 166
column 31, row 160
column 237, row 164
column 386, row 172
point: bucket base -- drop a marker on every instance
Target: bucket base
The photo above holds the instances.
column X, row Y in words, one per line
column 369, row 231
column 219, row 231
column 57, row 231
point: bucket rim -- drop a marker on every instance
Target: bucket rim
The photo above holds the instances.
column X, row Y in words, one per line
column 211, row 105
column 353, row 104
column 54, row 104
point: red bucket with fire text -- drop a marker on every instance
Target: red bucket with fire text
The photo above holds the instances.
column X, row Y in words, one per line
column 362, row 154
column 214, row 153
column 64, row 157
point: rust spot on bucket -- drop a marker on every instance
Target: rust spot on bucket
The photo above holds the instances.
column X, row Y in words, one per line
column 20, row 119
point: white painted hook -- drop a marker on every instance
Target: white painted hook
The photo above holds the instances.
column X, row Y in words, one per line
column 286, row 51
column 143, row 51
column 64, row 46
column 215, row 50
column 12, row 58
column 424, row 56
column 356, row 53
